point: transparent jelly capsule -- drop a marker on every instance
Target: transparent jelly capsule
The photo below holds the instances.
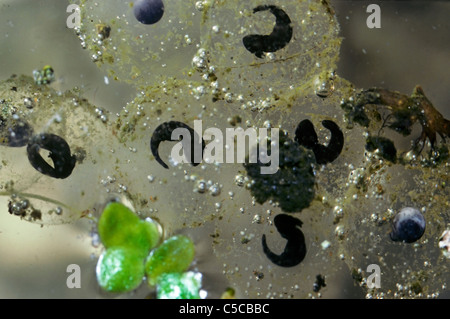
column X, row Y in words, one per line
column 175, row 195
column 268, row 49
column 369, row 211
column 57, row 171
column 240, row 251
column 139, row 53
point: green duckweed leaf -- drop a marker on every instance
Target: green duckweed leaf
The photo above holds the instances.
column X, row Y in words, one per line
column 174, row 255
column 120, row 269
column 179, row 285
column 120, row 227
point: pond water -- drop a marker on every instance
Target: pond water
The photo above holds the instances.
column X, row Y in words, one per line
column 228, row 64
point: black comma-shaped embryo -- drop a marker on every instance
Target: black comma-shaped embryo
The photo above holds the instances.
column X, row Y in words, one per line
column 164, row 133
column 63, row 161
column 306, row 136
column 295, row 249
column 278, row 39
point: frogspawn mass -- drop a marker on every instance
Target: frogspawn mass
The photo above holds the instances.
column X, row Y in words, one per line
column 332, row 204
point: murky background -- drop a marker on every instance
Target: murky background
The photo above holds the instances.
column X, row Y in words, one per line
column 411, row 48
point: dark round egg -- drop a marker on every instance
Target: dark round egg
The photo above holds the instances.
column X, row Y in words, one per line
column 408, row 225
column 148, row 11
column 16, row 134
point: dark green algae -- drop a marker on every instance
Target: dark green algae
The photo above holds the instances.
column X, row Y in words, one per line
column 292, row 186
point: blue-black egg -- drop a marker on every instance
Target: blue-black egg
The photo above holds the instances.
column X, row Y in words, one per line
column 148, row 11
column 17, row 134
column 408, row 225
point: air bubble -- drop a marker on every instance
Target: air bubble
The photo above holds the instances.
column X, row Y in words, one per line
column 201, row 186
column 239, row 180
column 200, row 5
column 214, row 190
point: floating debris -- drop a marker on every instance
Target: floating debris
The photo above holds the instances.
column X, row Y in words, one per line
column 444, row 243
column 44, row 76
